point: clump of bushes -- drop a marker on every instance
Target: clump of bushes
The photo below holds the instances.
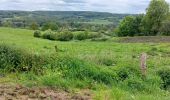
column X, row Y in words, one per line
column 37, row 34
column 50, row 35
column 86, row 35
column 81, row 36
column 18, row 60
column 65, row 36
column 46, row 35
column 60, row 36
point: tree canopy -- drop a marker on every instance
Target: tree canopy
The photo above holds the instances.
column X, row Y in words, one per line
column 152, row 23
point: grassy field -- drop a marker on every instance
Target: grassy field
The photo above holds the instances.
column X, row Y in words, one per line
column 109, row 70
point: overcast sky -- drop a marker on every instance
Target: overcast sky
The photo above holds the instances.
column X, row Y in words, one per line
column 113, row 6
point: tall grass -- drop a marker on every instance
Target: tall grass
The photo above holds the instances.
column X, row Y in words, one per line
column 60, row 71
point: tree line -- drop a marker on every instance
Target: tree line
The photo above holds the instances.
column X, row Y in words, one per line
column 156, row 21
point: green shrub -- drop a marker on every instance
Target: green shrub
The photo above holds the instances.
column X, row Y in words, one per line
column 81, row 36
column 64, row 36
column 37, row 34
column 46, row 35
column 50, row 35
column 86, row 35
column 53, row 36
column 165, row 76
column 17, row 60
column 10, row 57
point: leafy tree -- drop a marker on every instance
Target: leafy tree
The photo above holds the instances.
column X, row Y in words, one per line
column 156, row 13
column 53, row 26
column 127, row 27
column 165, row 28
column 34, row 26
column 45, row 27
column 50, row 25
column 138, row 24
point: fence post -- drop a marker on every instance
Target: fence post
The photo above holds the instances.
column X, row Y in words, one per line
column 143, row 65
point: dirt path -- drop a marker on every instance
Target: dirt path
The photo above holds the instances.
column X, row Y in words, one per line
column 9, row 92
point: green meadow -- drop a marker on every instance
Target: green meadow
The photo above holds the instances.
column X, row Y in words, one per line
column 110, row 70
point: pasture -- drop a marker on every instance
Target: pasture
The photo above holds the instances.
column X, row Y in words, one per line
column 107, row 69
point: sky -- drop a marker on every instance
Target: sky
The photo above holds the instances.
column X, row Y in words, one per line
column 113, row 6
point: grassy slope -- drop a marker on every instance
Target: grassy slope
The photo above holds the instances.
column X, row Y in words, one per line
column 122, row 54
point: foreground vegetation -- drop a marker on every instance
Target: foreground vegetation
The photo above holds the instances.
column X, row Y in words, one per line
column 110, row 70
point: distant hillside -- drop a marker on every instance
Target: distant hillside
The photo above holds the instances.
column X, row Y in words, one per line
column 71, row 16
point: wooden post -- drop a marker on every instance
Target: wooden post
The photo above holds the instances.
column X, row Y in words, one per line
column 56, row 48
column 143, row 65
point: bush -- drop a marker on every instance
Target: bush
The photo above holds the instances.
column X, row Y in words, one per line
column 64, row 36
column 17, row 60
column 87, row 35
column 37, row 34
column 46, row 35
column 165, row 76
column 81, row 36
column 53, row 36
column 164, row 30
column 50, row 35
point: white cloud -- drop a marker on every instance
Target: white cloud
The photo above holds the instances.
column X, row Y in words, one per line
column 114, row 6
